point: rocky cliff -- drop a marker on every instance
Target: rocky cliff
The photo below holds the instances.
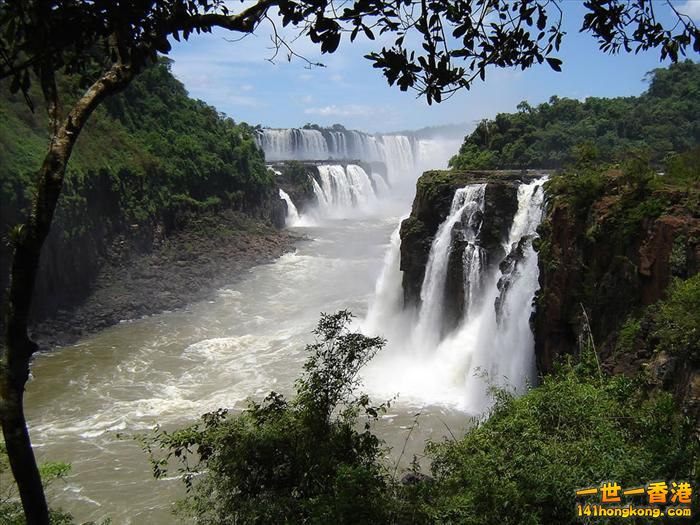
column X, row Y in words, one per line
column 617, row 252
column 434, row 193
column 149, row 159
column 609, row 248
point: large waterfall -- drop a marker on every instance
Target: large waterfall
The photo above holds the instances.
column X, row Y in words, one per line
column 465, row 212
column 492, row 345
column 313, row 144
column 390, row 166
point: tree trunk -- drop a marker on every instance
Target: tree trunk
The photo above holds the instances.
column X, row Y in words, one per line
column 21, row 456
column 28, row 240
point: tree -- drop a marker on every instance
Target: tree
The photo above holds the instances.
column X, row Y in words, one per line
column 299, row 460
column 108, row 42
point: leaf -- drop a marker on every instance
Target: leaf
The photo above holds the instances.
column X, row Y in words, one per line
column 554, row 63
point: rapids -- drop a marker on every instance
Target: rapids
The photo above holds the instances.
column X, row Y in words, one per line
column 86, row 400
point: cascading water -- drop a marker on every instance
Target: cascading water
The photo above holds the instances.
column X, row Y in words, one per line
column 465, row 213
column 292, row 217
column 399, row 158
column 382, row 189
column 293, row 144
column 493, row 343
column 312, row 144
column 342, row 188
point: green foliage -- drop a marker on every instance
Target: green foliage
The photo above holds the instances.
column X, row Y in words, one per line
column 11, row 512
column 577, row 429
column 628, row 335
column 437, row 48
column 676, row 320
column 305, row 461
column 148, row 153
column 685, row 167
column 298, row 461
column 618, row 202
column 663, row 120
column 577, row 188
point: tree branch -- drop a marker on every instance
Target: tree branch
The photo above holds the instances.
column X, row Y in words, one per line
column 244, row 22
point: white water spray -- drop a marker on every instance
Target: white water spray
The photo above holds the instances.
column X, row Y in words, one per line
column 292, row 217
column 342, row 188
column 491, row 346
column 465, row 212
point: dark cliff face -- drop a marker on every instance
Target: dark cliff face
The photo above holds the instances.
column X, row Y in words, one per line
column 434, row 193
column 77, row 245
column 294, row 178
column 609, row 258
column 598, row 262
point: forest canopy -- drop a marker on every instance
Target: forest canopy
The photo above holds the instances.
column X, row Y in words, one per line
column 663, row 120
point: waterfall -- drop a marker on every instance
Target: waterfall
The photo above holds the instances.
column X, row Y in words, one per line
column 293, row 144
column 396, row 151
column 493, row 344
column 394, row 162
column 382, row 189
column 342, row 188
column 360, row 184
column 398, row 156
column 465, row 213
column 292, row 217
column 385, row 309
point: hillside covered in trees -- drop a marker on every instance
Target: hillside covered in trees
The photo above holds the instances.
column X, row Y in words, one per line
column 663, row 120
column 149, row 158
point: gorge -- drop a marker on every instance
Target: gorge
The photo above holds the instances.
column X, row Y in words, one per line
column 245, row 340
column 494, row 282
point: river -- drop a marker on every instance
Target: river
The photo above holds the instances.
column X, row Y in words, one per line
column 85, row 401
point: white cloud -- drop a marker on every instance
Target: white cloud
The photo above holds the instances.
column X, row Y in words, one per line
column 246, row 87
column 337, row 78
column 307, row 99
column 690, row 8
column 350, row 110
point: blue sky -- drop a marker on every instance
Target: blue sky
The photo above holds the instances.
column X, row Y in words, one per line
column 237, row 78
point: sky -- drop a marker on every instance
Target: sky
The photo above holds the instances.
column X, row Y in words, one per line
column 238, row 79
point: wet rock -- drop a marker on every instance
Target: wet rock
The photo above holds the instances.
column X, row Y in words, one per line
column 509, row 270
column 434, row 193
column 415, row 478
column 189, row 266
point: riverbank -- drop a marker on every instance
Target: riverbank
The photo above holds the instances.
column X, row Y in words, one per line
column 188, row 266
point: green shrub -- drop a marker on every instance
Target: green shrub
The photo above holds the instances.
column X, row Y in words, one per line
column 11, row 512
column 577, row 429
column 298, row 461
column 308, row 461
column 676, row 320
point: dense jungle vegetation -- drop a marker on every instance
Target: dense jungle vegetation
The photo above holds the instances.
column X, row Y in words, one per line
column 313, row 459
column 152, row 148
column 662, row 121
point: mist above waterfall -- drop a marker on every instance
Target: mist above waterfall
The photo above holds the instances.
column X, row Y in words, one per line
column 434, row 354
